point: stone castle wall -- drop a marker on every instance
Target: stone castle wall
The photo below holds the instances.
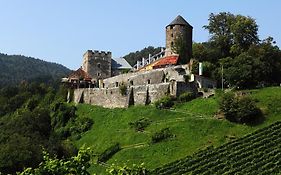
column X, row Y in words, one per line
column 142, row 88
column 136, row 95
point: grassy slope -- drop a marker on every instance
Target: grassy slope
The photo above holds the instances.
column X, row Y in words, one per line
column 192, row 123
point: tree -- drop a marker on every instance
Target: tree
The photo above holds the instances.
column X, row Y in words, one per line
column 76, row 165
column 240, row 108
column 243, row 71
column 233, row 34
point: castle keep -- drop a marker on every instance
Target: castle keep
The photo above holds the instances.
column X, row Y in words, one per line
column 101, row 79
column 179, row 29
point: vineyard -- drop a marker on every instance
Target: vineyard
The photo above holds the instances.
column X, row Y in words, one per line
column 256, row 153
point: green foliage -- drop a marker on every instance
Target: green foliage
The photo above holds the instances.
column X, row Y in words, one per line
column 187, row 96
column 34, row 116
column 179, row 47
column 255, row 153
column 240, row 109
column 77, row 165
column 165, row 102
column 109, row 152
column 133, row 57
column 123, row 89
column 18, row 68
column 125, row 170
column 232, row 33
column 140, row 124
column 163, row 134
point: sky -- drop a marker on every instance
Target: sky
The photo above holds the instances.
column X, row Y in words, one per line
column 61, row 31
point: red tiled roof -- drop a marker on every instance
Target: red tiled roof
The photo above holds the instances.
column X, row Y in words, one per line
column 169, row 60
column 80, row 73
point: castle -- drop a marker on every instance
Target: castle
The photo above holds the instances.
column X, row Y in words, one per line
column 108, row 82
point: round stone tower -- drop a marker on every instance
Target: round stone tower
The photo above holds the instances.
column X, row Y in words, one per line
column 176, row 30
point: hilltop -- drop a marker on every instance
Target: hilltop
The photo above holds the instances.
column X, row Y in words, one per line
column 16, row 68
column 192, row 124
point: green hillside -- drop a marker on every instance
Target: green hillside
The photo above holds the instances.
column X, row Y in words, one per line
column 192, row 124
column 16, row 68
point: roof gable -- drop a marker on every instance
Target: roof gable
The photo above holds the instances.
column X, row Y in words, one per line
column 120, row 63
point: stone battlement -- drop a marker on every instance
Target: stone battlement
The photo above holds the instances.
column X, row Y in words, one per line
column 97, row 53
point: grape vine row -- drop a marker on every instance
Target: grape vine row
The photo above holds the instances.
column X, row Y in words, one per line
column 256, row 153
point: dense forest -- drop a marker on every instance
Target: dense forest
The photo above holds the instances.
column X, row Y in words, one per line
column 133, row 57
column 16, row 68
column 34, row 119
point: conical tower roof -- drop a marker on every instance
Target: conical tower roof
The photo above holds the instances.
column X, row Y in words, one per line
column 179, row 20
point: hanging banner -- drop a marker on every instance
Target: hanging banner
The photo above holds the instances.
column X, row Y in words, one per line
column 200, row 69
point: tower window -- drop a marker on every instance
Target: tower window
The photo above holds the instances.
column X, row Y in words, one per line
column 171, row 27
column 99, row 74
column 172, row 44
column 116, row 84
column 172, row 35
column 99, row 65
column 148, row 81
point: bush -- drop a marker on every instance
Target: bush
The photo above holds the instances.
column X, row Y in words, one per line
column 240, row 109
column 161, row 135
column 126, row 170
column 165, row 102
column 109, row 152
column 123, row 89
column 140, row 124
column 187, row 96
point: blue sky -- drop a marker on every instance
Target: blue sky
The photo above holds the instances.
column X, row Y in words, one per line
column 62, row 30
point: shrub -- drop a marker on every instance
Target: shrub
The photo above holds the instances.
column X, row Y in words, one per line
column 240, row 109
column 126, row 170
column 123, row 89
column 187, row 96
column 161, row 135
column 140, row 124
column 165, row 102
column 109, row 152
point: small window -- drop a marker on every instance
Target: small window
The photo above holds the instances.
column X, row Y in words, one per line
column 148, row 81
column 103, row 85
column 98, row 65
column 171, row 27
column 172, row 35
column 131, row 83
column 99, row 74
column 116, row 84
column 172, row 44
